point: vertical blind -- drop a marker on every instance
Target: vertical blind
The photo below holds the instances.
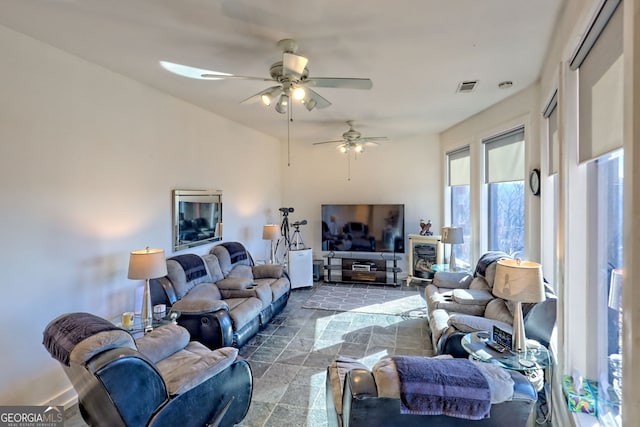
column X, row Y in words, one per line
column 598, row 60
column 504, row 157
column 551, row 114
column 459, row 167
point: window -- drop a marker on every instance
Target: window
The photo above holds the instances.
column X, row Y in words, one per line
column 598, row 61
column 549, row 220
column 459, row 187
column 504, row 175
column 608, row 255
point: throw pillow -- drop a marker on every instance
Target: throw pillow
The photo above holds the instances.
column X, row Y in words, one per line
column 472, row 296
column 497, row 310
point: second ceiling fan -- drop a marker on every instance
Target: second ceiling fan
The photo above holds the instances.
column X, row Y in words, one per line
column 353, row 140
column 293, row 81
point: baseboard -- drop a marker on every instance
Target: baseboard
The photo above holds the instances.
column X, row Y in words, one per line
column 67, row 398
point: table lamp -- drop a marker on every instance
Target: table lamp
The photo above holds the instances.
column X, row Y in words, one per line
column 453, row 236
column 271, row 232
column 519, row 281
column 147, row 264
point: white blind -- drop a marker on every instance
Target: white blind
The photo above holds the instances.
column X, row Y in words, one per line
column 552, row 140
column 504, row 157
column 600, row 88
column 459, row 167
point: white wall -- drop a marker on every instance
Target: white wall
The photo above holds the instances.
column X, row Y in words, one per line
column 88, row 160
column 403, row 171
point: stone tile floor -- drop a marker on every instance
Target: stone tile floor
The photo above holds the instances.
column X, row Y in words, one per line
column 290, row 356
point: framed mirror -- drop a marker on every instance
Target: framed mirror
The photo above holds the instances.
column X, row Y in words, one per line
column 197, row 217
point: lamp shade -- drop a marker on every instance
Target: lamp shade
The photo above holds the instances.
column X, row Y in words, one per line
column 270, row 232
column 615, row 290
column 147, row 264
column 518, row 280
column 452, row 235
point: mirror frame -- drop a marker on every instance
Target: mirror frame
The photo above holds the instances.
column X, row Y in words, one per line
column 209, row 201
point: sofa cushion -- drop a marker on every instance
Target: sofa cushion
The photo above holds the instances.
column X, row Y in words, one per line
column 452, row 280
column 235, row 283
column 213, row 265
column 97, row 343
column 194, row 364
column 497, row 310
column 231, row 254
column 443, row 299
column 472, row 296
column 279, row 288
column 479, row 283
column 178, row 277
column 241, row 272
column 204, row 298
column 466, row 323
column 268, row 271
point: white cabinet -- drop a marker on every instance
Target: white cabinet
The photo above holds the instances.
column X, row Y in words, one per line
column 424, row 251
column 300, row 268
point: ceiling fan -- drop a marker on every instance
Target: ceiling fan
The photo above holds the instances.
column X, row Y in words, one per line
column 353, row 140
column 293, row 81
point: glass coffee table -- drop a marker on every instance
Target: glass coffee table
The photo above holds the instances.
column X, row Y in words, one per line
column 137, row 329
column 535, row 357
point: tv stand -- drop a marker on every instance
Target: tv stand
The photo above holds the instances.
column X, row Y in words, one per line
column 349, row 269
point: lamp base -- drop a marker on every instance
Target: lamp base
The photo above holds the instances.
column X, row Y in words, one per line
column 452, row 260
column 147, row 311
column 519, row 343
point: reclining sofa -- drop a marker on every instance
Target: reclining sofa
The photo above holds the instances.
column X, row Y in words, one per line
column 362, row 397
column 222, row 297
column 460, row 302
column 162, row 380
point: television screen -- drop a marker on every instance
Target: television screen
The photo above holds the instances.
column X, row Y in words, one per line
column 363, row 228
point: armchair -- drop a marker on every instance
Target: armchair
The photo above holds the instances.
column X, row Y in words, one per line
column 362, row 397
column 162, row 379
column 459, row 303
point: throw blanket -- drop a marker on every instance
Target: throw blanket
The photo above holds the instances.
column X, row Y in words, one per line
column 486, row 260
column 452, row 387
column 237, row 252
column 62, row 334
column 192, row 265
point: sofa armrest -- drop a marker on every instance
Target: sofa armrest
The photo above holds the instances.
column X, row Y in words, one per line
column 162, row 342
column 199, row 306
column 264, row 271
column 360, row 383
column 452, row 279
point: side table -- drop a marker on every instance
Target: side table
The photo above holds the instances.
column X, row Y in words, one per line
column 137, row 330
column 536, row 356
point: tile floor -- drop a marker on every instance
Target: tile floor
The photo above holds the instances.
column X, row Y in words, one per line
column 290, row 356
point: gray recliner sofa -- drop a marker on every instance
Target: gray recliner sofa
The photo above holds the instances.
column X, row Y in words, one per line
column 223, row 298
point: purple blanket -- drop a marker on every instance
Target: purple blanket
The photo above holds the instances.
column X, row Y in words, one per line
column 452, row 387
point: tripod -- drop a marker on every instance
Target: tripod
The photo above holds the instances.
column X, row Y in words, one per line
column 296, row 240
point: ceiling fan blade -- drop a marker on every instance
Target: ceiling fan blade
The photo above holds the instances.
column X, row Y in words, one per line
column 328, row 142
column 273, row 91
column 340, row 82
column 320, row 102
column 374, row 138
column 293, row 65
column 234, row 77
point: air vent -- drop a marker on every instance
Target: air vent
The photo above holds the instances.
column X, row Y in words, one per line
column 467, row 86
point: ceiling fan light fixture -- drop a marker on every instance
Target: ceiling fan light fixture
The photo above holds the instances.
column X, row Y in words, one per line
column 343, row 149
column 283, row 103
column 309, row 103
column 359, row 148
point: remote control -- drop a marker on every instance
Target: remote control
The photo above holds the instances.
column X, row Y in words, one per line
column 494, row 345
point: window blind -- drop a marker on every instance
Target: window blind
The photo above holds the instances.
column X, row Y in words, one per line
column 599, row 63
column 459, row 167
column 551, row 114
column 504, row 157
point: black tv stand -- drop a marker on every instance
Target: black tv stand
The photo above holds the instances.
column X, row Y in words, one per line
column 362, row 270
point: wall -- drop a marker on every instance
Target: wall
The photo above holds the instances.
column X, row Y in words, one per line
column 403, row 170
column 88, row 160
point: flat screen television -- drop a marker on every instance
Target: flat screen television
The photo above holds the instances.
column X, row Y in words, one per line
column 363, row 228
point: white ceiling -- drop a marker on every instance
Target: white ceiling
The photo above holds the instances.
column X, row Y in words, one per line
column 415, row 51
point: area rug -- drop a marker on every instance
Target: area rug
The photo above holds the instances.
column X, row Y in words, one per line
column 397, row 302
